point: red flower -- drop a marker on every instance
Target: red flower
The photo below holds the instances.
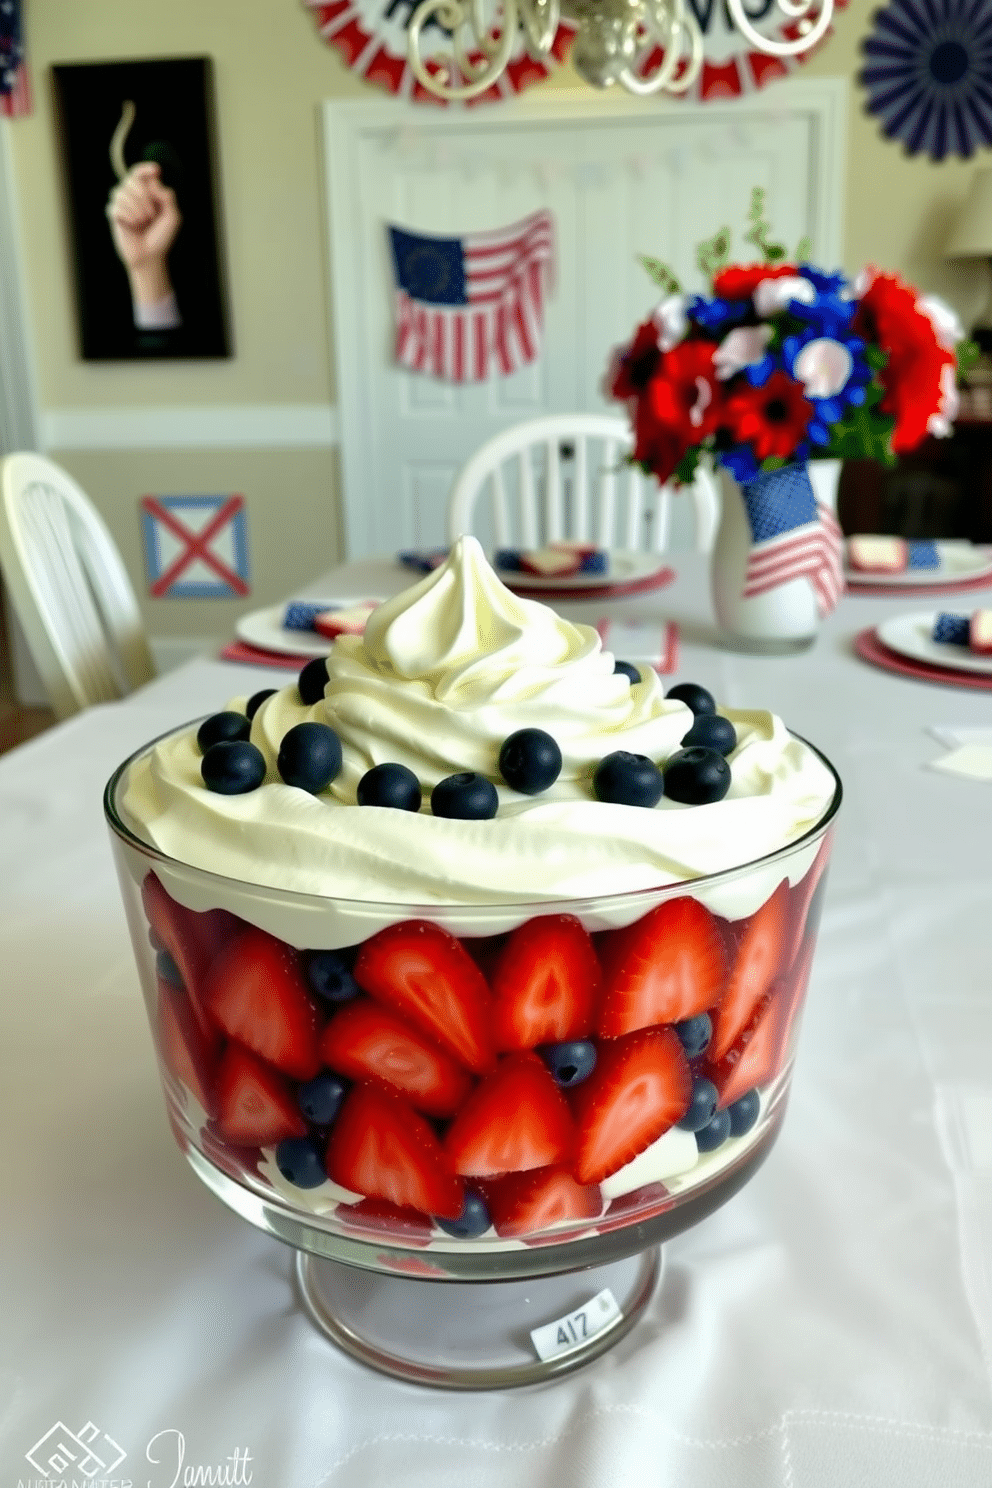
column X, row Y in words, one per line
column 739, row 281
column 772, row 419
column 657, row 447
column 635, row 363
column 678, row 408
column 889, row 316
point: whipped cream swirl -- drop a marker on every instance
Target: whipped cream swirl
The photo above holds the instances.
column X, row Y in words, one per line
column 444, row 673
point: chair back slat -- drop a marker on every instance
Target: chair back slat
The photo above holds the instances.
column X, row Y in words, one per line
column 564, row 476
column 68, row 587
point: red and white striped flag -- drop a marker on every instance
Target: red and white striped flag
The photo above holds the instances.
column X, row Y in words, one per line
column 470, row 306
column 794, row 537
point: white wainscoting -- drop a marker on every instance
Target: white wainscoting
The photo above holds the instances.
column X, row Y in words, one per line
column 214, row 426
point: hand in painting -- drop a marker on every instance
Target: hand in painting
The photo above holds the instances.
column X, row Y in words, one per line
column 144, row 219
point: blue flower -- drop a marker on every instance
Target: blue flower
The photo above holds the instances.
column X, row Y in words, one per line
column 716, row 315
column 834, row 373
column 739, row 460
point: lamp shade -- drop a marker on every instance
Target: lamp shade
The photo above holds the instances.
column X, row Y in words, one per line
column 972, row 235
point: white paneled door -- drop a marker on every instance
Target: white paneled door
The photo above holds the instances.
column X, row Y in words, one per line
column 622, row 177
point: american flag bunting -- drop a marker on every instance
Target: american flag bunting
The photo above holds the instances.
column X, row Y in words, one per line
column 15, row 95
column 794, row 536
column 472, row 305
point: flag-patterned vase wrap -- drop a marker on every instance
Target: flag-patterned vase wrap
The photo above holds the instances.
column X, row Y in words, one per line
column 471, row 307
column 777, row 566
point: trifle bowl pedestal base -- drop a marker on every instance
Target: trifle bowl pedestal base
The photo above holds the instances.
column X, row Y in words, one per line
column 477, row 1335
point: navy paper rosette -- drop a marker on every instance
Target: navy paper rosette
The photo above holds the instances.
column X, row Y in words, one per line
column 929, row 75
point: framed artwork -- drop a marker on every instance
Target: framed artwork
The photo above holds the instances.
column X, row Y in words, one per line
column 138, row 148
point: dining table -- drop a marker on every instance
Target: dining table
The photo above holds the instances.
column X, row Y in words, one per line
column 830, row 1326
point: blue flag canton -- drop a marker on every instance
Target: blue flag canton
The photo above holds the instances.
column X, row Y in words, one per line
column 778, row 501
column 11, row 50
column 431, row 270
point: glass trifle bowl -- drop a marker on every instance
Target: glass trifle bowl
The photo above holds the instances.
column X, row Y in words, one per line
column 478, row 1100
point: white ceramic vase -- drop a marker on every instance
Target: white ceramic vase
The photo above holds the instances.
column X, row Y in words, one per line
column 781, row 619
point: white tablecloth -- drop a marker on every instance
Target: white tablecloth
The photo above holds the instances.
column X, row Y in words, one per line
column 829, row 1327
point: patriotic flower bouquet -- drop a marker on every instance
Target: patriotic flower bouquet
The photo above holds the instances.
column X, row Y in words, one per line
column 783, row 362
column 780, row 364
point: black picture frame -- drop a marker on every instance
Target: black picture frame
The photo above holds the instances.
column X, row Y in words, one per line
column 173, row 125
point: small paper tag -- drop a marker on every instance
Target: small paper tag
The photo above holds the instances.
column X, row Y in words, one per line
column 577, row 1328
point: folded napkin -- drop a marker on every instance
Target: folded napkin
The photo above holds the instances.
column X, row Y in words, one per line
column 554, row 561
column 876, row 554
column 423, row 560
column 654, row 642
column 328, row 620
column 973, row 631
column 970, row 751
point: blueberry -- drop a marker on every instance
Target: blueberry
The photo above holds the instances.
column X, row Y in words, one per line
column 233, row 769
column 530, row 761
column 473, row 1221
column 329, row 976
column 697, row 776
column 628, row 780
column 167, row 970
column 222, row 728
column 390, row 785
column 320, row 1098
column 309, row 756
column 629, row 670
column 743, row 1113
column 465, row 797
column 508, row 559
column 257, row 699
column 702, row 1105
column 570, row 1063
column 694, row 697
column 299, row 1162
column 715, row 1134
column 695, row 1034
column 711, row 731
column 312, row 681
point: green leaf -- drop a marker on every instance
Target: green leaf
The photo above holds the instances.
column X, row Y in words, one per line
column 774, row 252
column 712, row 254
column 968, row 353
column 804, row 249
column 660, row 273
column 685, row 471
column 863, row 434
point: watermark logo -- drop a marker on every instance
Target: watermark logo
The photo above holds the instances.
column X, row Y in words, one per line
column 87, row 1451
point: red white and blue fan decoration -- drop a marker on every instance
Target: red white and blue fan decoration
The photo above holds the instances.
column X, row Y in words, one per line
column 929, row 75
column 472, row 306
column 371, row 36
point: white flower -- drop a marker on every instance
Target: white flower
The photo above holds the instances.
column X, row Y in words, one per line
column 944, row 319
column 940, row 423
column 704, row 397
column 823, row 367
column 772, row 295
column 739, row 349
column 671, row 321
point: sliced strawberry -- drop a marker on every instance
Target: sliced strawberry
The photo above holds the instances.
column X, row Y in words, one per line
column 187, row 1052
column 192, row 938
column 758, row 960
column 385, row 1221
column 803, row 909
column 640, row 1087
column 763, row 1048
column 381, row 1148
column 255, row 993
column 545, row 984
column 255, row 1105
column 667, row 967
column 429, row 978
column 527, row 1203
column 634, row 1207
column 516, row 1119
column 364, row 1040
column 753, row 1059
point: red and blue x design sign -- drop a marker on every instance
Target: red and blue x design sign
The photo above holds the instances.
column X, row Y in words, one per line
column 196, row 547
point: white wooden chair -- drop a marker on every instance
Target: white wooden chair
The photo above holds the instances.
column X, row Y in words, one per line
column 565, row 476
column 68, row 587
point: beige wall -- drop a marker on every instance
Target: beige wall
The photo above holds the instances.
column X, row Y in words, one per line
column 272, row 70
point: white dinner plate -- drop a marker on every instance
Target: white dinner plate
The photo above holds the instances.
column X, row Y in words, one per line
column 912, row 636
column 958, row 560
column 622, row 567
column 264, row 628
